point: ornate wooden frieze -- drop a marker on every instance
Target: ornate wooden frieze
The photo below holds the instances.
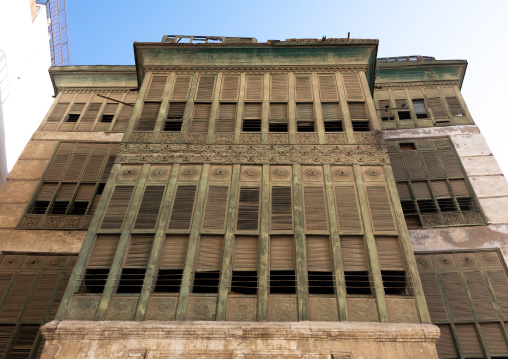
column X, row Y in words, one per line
column 256, row 69
column 402, row 86
column 273, row 154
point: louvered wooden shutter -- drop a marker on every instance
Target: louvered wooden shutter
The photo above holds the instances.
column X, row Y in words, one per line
column 139, row 251
column 47, row 192
column 176, row 110
column 156, row 88
column 303, row 88
column 24, row 341
column 248, row 209
column 93, row 168
column 305, row 112
column 319, row 254
column 398, row 168
column 437, row 108
column 455, row 108
column 40, row 297
column 77, row 108
column 110, row 109
column 479, row 293
column 328, row 88
column 450, row 163
column 209, row 253
column 440, row 189
column 85, row 192
column 230, row 86
column 200, row 118
column 5, row 335
column 246, row 254
column 205, row 88
column 403, row 190
column 432, row 164
column 181, row 88
column 183, row 206
column 357, row 110
column 433, row 297
column 389, row 253
column 77, row 163
column 281, row 208
column 14, row 303
column 445, row 345
column 331, row 111
column 174, row 252
column 500, row 286
column 459, row 188
column 123, row 118
column 66, row 192
column 413, row 164
column 279, row 87
column 380, row 209
column 468, row 339
column 253, row 87
column 353, row 253
column 316, row 218
column 107, row 169
column 421, row 190
column 117, row 208
column 148, row 116
column 252, row 111
column 216, row 207
column 279, row 112
column 347, row 209
column 149, row 208
column 353, row 87
column 227, row 117
column 58, row 112
column 282, row 253
column 456, row 296
column 55, row 171
column 88, row 119
column 494, row 338
column 103, row 251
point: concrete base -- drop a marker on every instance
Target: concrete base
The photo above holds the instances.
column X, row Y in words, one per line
column 186, row 339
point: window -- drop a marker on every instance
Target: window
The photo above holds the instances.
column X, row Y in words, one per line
column 432, row 186
column 278, row 117
column 319, row 265
column 354, row 261
column 99, row 263
column 207, row 274
column 134, row 268
column 282, row 265
column 384, row 111
column 172, row 262
column 174, row 118
column 72, row 117
column 251, row 117
column 245, row 258
column 420, row 109
column 305, row 117
column 359, row 117
column 403, row 110
column 107, row 118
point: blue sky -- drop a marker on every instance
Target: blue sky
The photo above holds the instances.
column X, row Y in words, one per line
column 102, row 33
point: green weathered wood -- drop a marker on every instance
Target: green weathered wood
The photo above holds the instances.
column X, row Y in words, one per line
column 481, row 337
column 300, row 246
column 463, row 104
column 338, row 271
column 374, row 121
column 456, row 341
column 348, row 126
column 291, row 108
column 136, row 111
column 163, row 110
column 320, row 127
column 123, row 244
column 189, row 108
column 229, row 242
column 181, row 310
column 375, row 269
column 407, row 247
column 239, row 110
column 266, row 109
column 158, row 244
column 264, row 243
column 53, row 105
column 446, row 302
column 213, row 109
column 87, row 246
column 117, row 112
column 67, row 111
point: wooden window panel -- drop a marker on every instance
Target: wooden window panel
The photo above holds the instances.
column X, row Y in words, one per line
column 253, row 87
column 245, row 256
column 205, row 87
column 156, row 88
column 209, row 253
column 494, row 339
column 176, row 110
column 328, row 88
column 183, row 207
column 227, row 118
column 316, row 216
column 199, row 122
column 347, row 209
column 47, row 192
column 57, row 167
column 319, row 254
column 16, row 299
column 357, row 110
column 451, row 163
column 331, row 111
column 305, row 112
column 281, row 208
column 41, row 297
column 216, row 207
column 123, row 118
column 278, row 112
column 499, row 284
column 440, row 188
column 248, row 209
column 103, row 251
column 93, row 168
column 398, row 167
column 445, row 345
column 181, row 88
column 437, row 108
column 58, row 112
column 353, row 87
column 380, row 209
column 149, row 209
column 230, row 87
column 303, row 88
column 432, row 164
column 89, row 117
column 76, row 166
column 6, row 330
column 279, row 87
column 139, row 251
column 252, row 111
column 468, row 340
column 58, row 298
column 455, row 107
column 148, row 116
column 24, row 341
column 282, row 253
column 433, row 297
column 389, row 253
column 354, row 263
column 413, row 165
column 456, row 296
column 117, row 208
column 174, row 252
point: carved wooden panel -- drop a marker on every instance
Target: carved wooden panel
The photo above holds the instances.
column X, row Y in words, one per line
column 278, row 138
column 402, row 310
column 83, row 308
column 307, row 138
column 281, row 173
column 336, row 138
column 122, row 308
column 159, row 173
column 282, row 309
column 161, row 308
column 241, row 309
column 223, row 138
column 169, row 137
column 250, row 138
column 373, row 173
column 362, row 310
column 445, row 261
column 201, row 308
column 323, row 309
column 424, row 262
column 138, row 136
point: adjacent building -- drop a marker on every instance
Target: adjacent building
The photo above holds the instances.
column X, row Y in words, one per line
column 236, row 199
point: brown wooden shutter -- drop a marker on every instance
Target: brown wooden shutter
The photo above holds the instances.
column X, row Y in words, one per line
column 353, row 87
column 24, row 341
column 16, row 299
column 5, row 335
column 85, row 192
column 347, row 209
column 75, row 168
column 216, row 207
column 148, row 116
column 331, row 111
column 117, row 208
column 40, row 298
column 303, row 88
column 281, row 208
column 58, row 112
column 305, row 112
column 103, row 251
column 316, row 217
column 500, row 286
column 421, row 190
column 123, row 118
column 88, row 119
column 252, row 111
column 156, row 89
column 181, row 88
column 456, row 296
column 47, row 192
column 205, row 88
column 55, row 171
column 440, row 189
column 459, row 188
column 403, row 190
column 58, row 298
column 455, row 107
column 230, row 86
column 480, row 295
column 246, row 254
column 248, row 209
column 279, row 112
column 279, row 87
column 357, row 110
column 380, row 209
column 433, row 297
column 468, row 339
column 183, row 206
column 328, row 88
column 437, row 108
column 149, row 208
column 200, row 118
column 432, row 164
column 176, row 110
column 65, row 192
column 174, row 252
column 445, row 345
column 353, row 253
column 253, row 87
column 139, row 251
column 107, row 169
column 227, row 117
column 413, row 164
column 110, row 109
column 282, row 253
column 93, row 168
column 494, row 338
column 319, row 254
column 389, row 253
column 209, row 253
column 398, row 168
column 450, row 163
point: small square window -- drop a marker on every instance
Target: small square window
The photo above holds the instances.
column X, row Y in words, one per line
column 404, row 115
column 79, row 208
column 278, row 127
column 72, row 117
column 251, row 125
column 59, row 207
column 39, row 207
column 361, row 126
column 173, row 126
column 107, row 118
column 305, row 127
column 333, row 126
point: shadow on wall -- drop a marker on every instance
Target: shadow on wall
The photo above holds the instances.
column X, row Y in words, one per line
column 4, row 97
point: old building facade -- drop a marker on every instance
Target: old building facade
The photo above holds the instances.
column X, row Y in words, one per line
column 236, row 199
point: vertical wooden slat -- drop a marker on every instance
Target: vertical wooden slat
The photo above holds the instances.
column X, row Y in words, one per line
column 183, row 207
column 347, row 209
column 216, row 207
column 149, row 208
column 380, row 209
column 248, row 209
column 281, row 208
column 230, row 87
column 117, row 208
column 316, row 218
column 205, row 87
column 319, row 254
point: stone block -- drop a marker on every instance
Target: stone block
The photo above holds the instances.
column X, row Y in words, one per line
column 489, row 186
column 495, row 209
column 38, row 150
column 17, row 191
column 471, row 145
column 10, row 213
column 481, row 165
column 28, row 169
